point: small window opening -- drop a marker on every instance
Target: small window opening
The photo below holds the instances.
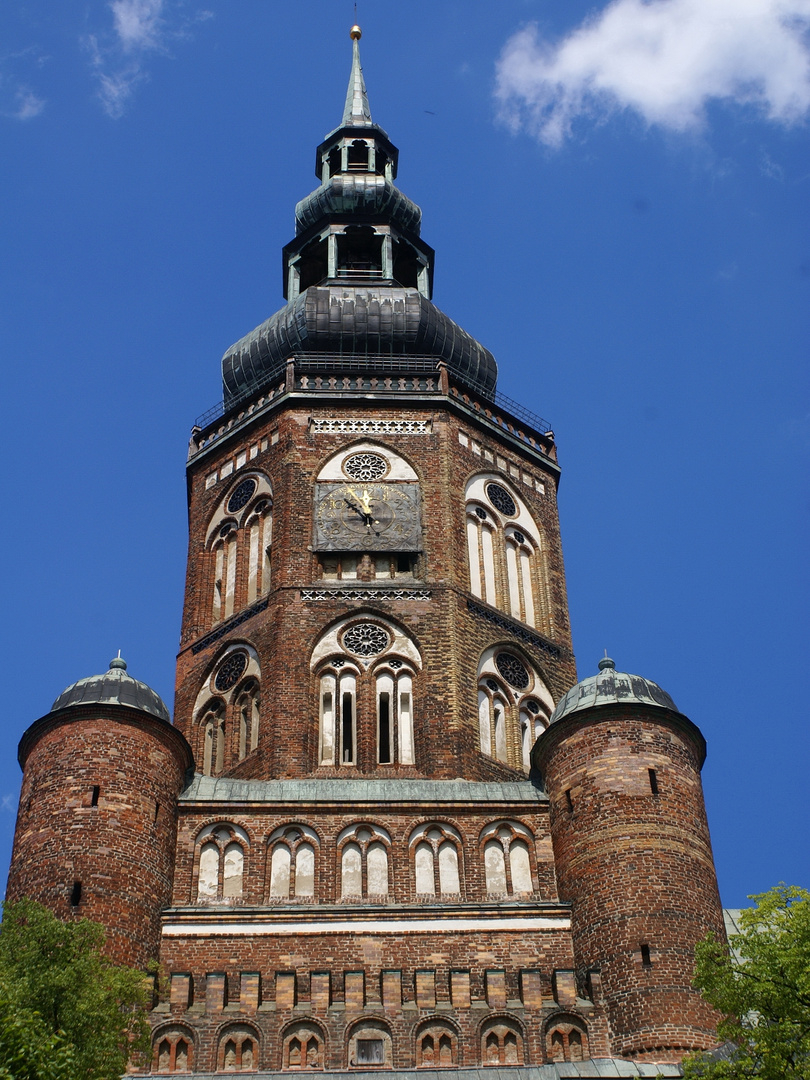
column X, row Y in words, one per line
column 653, row 781
column 76, row 894
column 645, row 956
column 313, row 264
column 95, row 795
column 358, row 156
column 370, row 1052
column 406, row 265
column 157, row 812
column 346, row 723
column 403, row 564
column 385, row 729
column 334, row 161
column 569, row 801
column 380, row 161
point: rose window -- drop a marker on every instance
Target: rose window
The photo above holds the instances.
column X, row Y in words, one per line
column 512, row 670
column 241, row 496
column 501, row 499
column 231, row 671
column 365, row 466
column 365, row 639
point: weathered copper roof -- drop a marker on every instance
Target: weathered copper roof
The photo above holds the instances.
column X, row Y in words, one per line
column 358, row 194
column 372, row 319
column 611, row 687
column 114, row 687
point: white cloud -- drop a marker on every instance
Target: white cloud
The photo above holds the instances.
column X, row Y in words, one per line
column 138, row 23
column 664, row 60
column 29, row 104
column 118, row 57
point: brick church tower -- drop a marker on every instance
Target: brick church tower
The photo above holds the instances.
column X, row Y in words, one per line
column 377, row 846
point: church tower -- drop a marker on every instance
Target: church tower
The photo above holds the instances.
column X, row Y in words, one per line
column 369, row 840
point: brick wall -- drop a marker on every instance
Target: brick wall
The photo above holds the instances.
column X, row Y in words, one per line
column 637, row 867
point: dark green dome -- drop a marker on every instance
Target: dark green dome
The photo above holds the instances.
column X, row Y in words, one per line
column 611, row 687
column 114, row 687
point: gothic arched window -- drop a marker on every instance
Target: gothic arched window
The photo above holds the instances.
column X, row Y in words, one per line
column 508, row 864
column 221, row 863
column 247, row 710
column 514, row 707
column 436, row 1046
column 567, row 1039
column 292, row 851
column 238, row 540
column 227, row 710
column 436, row 850
column 172, row 1051
column 505, row 551
column 501, row 1043
column 238, row 1049
column 363, row 853
column 364, row 664
column 303, row 1047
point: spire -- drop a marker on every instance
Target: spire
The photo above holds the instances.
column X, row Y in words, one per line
column 356, row 112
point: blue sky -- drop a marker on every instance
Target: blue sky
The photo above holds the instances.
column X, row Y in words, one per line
column 618, row 200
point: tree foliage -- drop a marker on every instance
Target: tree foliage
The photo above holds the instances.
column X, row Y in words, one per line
column 66, row 1011
column 761, row 986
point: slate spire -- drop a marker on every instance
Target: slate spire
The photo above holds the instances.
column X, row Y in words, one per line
column 356, row 112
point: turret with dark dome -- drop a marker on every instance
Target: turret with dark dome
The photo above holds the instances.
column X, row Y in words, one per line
column 611, row 687
column 358, row 278
column 114, row 687
column 96, row 832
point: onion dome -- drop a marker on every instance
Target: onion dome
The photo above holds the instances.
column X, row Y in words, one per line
column 611, row 687
column 114, row 687
column 358, row 278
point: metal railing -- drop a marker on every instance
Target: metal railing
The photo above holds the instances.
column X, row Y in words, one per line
column 484, row 401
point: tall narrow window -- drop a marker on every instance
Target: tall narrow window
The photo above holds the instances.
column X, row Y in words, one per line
column 423, row 865
column 377, row 864
column 507, row 859
column 280, row 872
column 351, row 874
column 221, row 863
column 385, row 691
column 448, row 869
column 514, row 705
column 234, row 868
column 504, row 545
column 208, row 882
column 346, row 726
column 364, row 862
column 305, row 870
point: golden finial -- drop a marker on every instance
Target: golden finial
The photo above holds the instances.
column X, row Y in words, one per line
column 355, row 33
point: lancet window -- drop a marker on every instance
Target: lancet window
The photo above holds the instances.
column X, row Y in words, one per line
column 436, row 1047
column 567, row 1040
column 173, row 1051
column 508, row 869
column 514, row 706
column 238, row 1049
column 365, row 672
column 291, row 860
column 227, row 711
column 435, row 853
column 221, row 863
column 501, row 1044
column 363, row 851
column 505, row 551
column 303, row 1047
column 239, row 543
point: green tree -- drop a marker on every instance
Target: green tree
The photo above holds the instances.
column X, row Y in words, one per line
column 66, row 1011
column 761, row 986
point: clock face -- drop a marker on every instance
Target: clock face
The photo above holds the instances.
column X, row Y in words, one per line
column 367, row 516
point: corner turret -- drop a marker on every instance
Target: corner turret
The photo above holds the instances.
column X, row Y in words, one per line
column 632, row 853
column 96, row 827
